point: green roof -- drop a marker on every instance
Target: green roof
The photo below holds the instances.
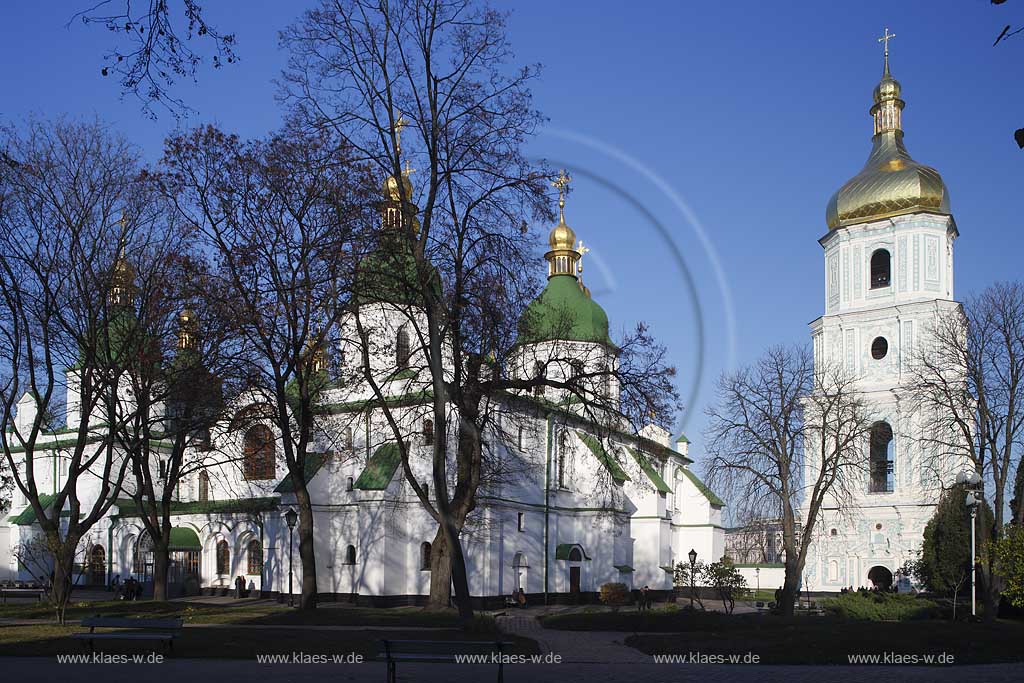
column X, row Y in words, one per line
column 380, row 468
column 652, row 474
column 314, row 461
column 703, row 488
column 28, row 515
column 562, row 551
column 127, row 507
column 624, row 568
column 184, row 538
column 682, row 439
column 606, row 458
column 563, row 311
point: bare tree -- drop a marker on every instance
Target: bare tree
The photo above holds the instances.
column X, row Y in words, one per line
column 788, row 438
column 281, row 217
column 158, row 47
column 967, row 382
column 458, row 251
column 68, row 338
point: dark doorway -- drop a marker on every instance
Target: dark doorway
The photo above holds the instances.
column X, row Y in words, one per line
column 97, row 566
column 880, row 577
column 574, row 580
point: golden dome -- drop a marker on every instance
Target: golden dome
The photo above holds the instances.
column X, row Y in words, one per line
column 390, row 188
column 562, row 237
column 891, row 182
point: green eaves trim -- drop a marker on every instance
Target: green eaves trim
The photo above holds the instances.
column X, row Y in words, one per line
column 184, row 538
column 380, row 468
column 670, row 570
column 28, row 515
column 606, row 458
column 562, row 551
column 703, row 488
column 624, row 568
column 767, row 565
column 412, row 399
column 314, row 461
column 128, row 508
column 651, row 473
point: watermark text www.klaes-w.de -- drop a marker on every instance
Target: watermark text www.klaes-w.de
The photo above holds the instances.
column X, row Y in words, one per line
column 105, row 658
column 902, row 658
column 311, row 658
column 506, row 658
column 708, row 658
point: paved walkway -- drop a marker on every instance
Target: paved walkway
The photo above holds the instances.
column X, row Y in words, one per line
column 235, row 671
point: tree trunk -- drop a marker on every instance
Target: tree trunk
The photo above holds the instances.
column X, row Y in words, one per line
column 161, row 562
column 459, row 577
column 440, row 572
column 63, row 573
column 307, row 555
column 790, row 588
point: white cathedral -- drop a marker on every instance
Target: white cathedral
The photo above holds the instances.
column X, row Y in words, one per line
column 591, row 505
column 888, row 278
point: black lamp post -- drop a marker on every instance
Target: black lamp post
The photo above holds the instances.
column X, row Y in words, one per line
column 972, row 481
column 693, row 568
column 290, row 518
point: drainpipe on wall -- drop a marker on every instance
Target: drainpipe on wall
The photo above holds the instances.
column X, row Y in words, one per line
column 547, row 501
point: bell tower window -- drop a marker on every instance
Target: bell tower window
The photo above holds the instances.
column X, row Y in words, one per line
column 881, row 269
column 881, row 461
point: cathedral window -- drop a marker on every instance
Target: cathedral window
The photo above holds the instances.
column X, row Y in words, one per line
column 881, row 463
column 879, row 348
column 350, row 555
column 254, row 558
column 350, row 485
column 425, row 556
column 403, row 351
column 204, row 487
column 258, row 453
column 538, row 374
column 223, row 558
column 881, row 269
column 428, row 432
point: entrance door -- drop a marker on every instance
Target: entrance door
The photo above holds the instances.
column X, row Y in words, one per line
column 97, row 566
column 574, row 580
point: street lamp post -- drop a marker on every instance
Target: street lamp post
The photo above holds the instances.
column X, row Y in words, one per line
column 290, row 517
column 972, row 482
column 757, row 573
column 693, row 568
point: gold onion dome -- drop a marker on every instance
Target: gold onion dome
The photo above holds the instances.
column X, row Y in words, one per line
column 891, row 182
column 390, row 188
column 562, row 236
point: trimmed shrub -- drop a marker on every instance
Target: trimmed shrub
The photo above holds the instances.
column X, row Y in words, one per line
column 614, row 594
column 874, row 606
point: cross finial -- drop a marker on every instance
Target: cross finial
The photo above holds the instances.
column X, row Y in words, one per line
column 400, row 123
column 582, row 251
column 408, row 169
column 885, row 40
column 562, row 183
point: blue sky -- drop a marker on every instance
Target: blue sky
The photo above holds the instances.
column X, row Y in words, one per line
column 698, row 133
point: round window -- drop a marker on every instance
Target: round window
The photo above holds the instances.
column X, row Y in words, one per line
column 879, row 348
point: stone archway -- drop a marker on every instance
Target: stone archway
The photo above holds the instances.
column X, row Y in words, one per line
column 880, row 577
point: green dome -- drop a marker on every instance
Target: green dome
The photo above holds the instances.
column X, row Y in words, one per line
column 564, row 312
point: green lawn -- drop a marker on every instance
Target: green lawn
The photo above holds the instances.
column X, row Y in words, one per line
column 268, row 614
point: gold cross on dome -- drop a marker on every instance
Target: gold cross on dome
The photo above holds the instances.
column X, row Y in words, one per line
column 408, row 169
column 582, row 251
column 562, row 183
column 885, row 39
column 400, row 123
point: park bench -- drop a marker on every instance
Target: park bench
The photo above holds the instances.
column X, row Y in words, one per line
column 36, row 593
column 439, row 652
column 130, row 628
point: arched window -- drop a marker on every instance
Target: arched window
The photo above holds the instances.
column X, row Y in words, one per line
column 833, row 532
column 350, row 555
column 204, row 487
column 881, row 268
column 402, row 349
column 223, row 558
column 350, row 484
column 833, row 571
column 880, row 458
column 575, row 555
column 258, row 453
column 538, row 373
column 428, row 432
column 254, row 557
column 142, row 555
column 425, row 556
